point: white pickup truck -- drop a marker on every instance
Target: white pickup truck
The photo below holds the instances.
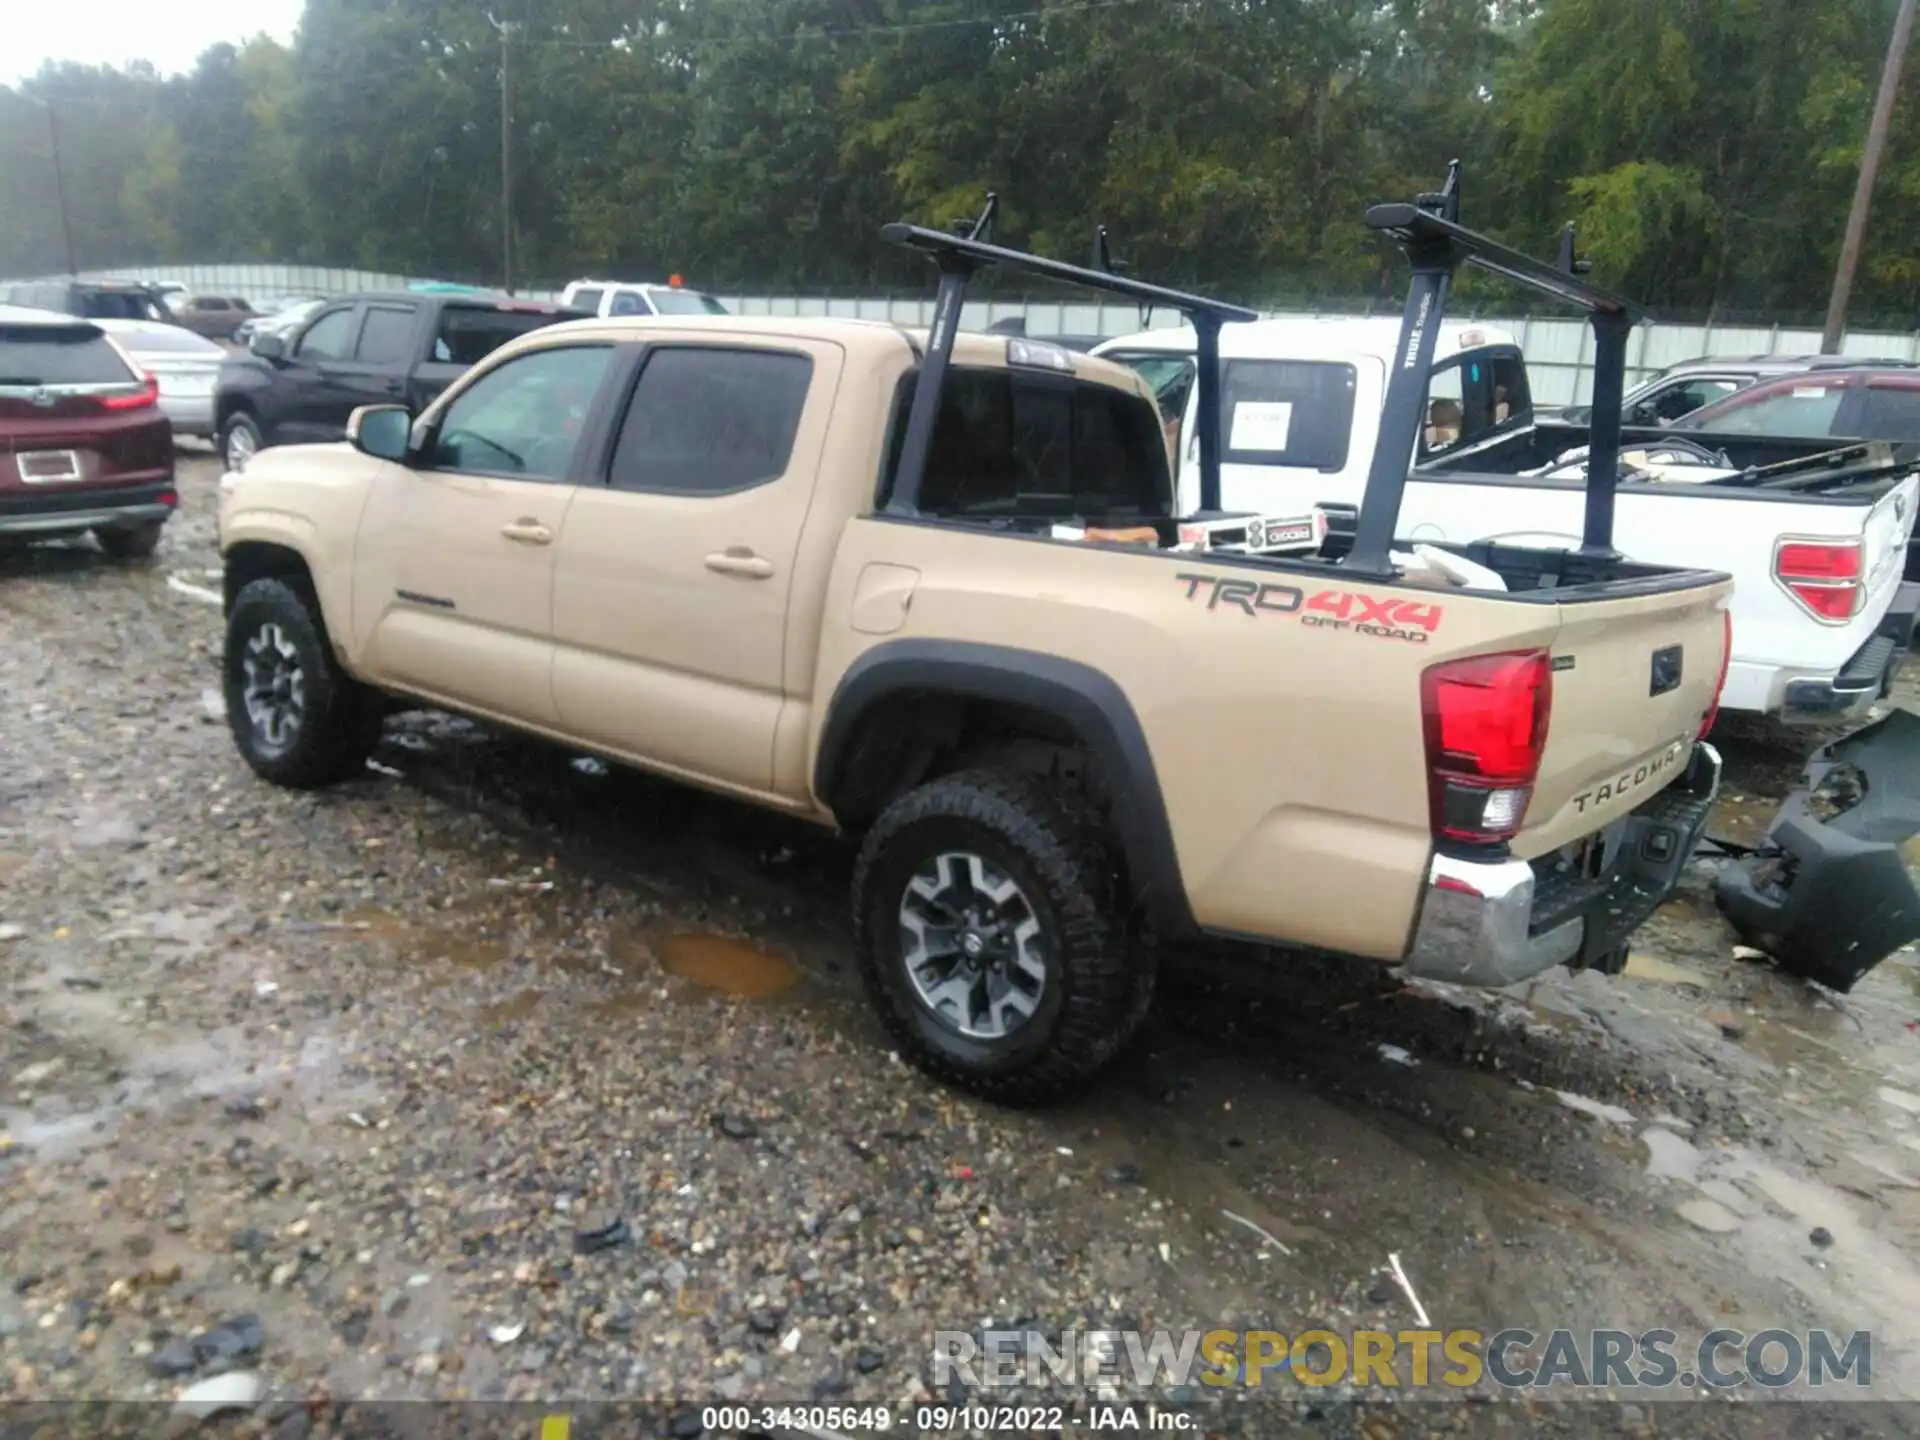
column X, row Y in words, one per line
column 1817, row 547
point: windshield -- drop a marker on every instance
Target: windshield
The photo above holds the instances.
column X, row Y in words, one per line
column 685, row 302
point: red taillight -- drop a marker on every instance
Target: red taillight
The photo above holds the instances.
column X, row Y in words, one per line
column 1823, row 575
column 169, row 498
column 147, row 395
column 1486, row 726
column 1720, row 685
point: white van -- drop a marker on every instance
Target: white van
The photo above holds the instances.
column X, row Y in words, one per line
column 1301, row 401
column 624, row 297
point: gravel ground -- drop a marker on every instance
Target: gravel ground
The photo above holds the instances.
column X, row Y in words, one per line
column 496, row 1075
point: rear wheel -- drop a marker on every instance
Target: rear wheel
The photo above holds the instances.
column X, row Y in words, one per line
column 993, row 937
column 130, row 542
column 297, row 718
column 240, row 440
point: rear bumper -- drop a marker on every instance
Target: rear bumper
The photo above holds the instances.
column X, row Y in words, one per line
column 71, row 512
column 1497, row 922
column 1825, row 699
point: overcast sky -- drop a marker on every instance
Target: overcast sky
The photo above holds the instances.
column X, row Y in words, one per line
column 170, row 33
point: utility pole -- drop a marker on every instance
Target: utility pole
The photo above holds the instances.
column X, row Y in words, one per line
column 59, row 176
column 506, row 153
column 1869, row 173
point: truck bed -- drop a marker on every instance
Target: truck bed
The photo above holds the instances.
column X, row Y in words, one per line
column 1512, row 455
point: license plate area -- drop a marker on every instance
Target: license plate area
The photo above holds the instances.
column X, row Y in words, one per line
column 47, row 467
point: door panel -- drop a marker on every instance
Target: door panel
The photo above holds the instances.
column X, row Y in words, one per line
column 670, row 601
column 453, row 573
column 384, row 351
column 458, row 590
column 313, row 409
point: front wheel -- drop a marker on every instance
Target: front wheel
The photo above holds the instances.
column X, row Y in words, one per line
column 993, row 937
column 298, row 719
column 240, row 441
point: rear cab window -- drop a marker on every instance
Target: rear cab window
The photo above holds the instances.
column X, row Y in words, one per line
column 467, row 334
column 1026, row 450
column 1297, row 414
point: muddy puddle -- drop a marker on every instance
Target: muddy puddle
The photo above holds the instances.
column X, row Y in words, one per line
column 726, row 965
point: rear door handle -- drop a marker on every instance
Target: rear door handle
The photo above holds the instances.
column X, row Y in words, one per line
column 738, row 560
column 528, row 532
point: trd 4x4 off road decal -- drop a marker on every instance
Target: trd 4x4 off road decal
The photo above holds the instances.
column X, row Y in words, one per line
column 1388, row 617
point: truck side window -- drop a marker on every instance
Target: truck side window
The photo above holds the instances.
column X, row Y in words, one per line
column 710, row 421
column 1800, row 409
column 524, row 418
column 330, row 337
column 1296, row 413
column 386, row 336
column 1683, row 397
column 627, row 302
column 1892, row 413
column 586, row 300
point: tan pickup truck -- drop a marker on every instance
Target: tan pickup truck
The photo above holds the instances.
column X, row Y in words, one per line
column 929, row 589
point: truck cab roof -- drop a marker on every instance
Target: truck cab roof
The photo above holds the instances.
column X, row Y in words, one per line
column 871, row 341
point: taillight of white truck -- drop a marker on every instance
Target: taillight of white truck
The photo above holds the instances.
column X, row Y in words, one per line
column 1825, row 577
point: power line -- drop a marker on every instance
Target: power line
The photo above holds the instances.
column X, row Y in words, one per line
column 850, row 32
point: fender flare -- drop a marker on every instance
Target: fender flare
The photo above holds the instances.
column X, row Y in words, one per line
column 1085, row 699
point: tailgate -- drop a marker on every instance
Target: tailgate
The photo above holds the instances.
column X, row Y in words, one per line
column 1632, row 680
column 1884, row 558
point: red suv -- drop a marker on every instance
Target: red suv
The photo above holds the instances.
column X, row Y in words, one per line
column 84, row 444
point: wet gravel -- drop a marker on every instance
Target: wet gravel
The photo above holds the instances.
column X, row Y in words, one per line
column 492, row 1074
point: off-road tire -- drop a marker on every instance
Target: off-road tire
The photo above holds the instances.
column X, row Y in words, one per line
column 240, row 420
column 130, row 542
column 340, row 720
column 1099, row 980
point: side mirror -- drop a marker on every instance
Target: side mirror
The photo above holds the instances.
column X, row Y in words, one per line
column 381, row 431
column 268, row 346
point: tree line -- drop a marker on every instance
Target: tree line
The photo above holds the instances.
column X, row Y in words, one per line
column 1706, row 148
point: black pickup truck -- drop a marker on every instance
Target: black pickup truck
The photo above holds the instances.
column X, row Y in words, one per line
column 361, row 350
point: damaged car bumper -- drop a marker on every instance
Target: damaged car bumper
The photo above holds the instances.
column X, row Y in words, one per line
column 1497, row 922
column 1826, row 892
